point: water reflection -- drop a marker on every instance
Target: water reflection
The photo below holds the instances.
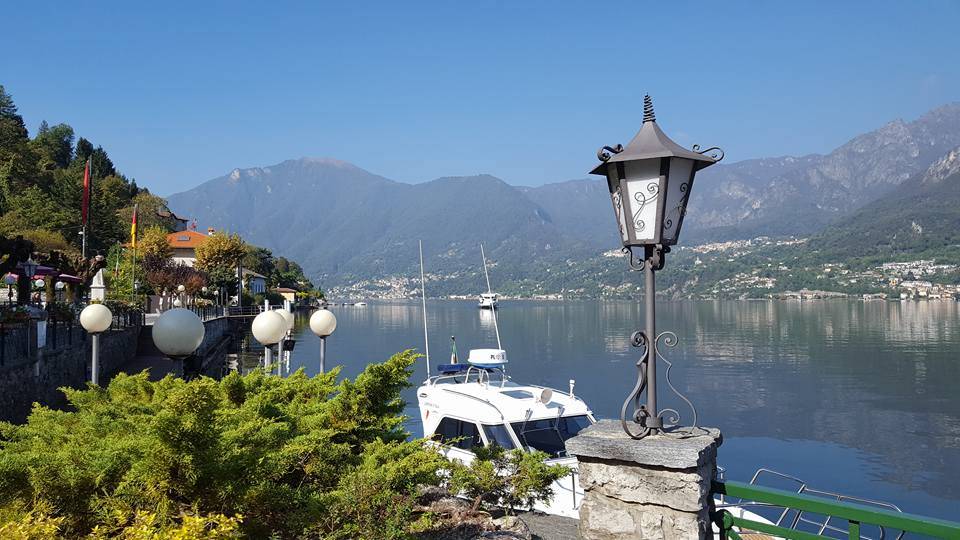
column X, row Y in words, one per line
column 804, row 386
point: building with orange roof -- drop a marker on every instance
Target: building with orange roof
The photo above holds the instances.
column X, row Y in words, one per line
column 184, row 245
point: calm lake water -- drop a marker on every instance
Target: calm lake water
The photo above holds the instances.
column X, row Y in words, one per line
column 857, row 397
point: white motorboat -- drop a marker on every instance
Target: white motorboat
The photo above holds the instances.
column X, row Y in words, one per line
column 489, row 299
column 477, row 404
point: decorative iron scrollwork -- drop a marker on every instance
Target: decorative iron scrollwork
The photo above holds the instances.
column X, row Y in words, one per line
column 666, row 420
column 670, row 340
column 640, row 413
column 607, row 152
column 714, row 149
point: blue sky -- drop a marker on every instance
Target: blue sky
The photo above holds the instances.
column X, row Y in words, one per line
column 181, row 92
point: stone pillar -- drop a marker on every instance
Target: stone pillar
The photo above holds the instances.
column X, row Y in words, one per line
column 653, row 488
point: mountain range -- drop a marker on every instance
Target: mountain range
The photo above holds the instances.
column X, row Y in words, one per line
column 343, row 223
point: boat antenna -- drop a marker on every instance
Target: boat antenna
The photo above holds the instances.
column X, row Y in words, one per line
column 496, row 327
column 423, row 298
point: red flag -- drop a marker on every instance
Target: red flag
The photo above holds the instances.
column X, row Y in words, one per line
column 86, row 192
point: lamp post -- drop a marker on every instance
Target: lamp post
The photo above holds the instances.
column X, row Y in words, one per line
column 268, row 328
column 10, row 280
column 289, row 321
column 95, row 318
column 649, row 183
column 178, row 333
column 29, row 267
column 59, row 288
column 323, row 323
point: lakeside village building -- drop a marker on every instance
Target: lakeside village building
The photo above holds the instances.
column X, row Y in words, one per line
column 184, row 244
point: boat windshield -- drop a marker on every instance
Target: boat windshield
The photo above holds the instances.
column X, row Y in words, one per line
column 550, row 434
column 498, row 434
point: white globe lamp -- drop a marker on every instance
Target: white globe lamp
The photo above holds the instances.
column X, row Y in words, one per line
column 268, row 328
column 287, row 317
column 95, row 318
column 323, row 323
column 178, row 333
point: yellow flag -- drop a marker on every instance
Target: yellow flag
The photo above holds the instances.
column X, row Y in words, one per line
column 133, row 228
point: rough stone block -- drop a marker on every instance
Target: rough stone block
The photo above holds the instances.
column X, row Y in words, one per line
column 606, row 518
column 606, row 440
column 684, row 490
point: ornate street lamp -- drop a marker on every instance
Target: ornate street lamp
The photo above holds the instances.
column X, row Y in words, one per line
column 268, row 328
column 649, row 183
column 10, row 280
column 178, row 333
column 323, row 323
column 95, row 318
column 30, row 268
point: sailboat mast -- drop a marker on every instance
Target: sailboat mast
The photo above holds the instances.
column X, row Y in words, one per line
column 485, row 274
column 496, row 327
column 423, row 298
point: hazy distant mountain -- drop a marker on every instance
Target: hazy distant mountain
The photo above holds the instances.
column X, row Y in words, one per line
column 919, row 215
column 337, row 219
column 801, row 195
column 343, row 222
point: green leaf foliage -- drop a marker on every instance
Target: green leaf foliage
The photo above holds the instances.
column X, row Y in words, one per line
column 514, row 479
column 254, row 456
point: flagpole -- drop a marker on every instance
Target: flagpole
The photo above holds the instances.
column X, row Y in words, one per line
column 133, row 267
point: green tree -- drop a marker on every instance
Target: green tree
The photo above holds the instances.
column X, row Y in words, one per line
column 54, row 145
column 152, row 211
column 220, row 251
column 152, row 242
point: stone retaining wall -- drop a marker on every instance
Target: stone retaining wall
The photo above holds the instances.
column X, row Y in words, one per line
column 49, row 369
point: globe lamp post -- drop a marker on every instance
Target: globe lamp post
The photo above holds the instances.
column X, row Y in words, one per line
column 178, row 333
column 268, row 328
column 649, row 183
column 289, row 321
column 10, row 280
column 95, row 319
column 323, row 323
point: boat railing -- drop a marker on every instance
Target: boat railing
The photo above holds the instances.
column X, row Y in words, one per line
column 808, row 513
column 475, row 398
column 478, row 375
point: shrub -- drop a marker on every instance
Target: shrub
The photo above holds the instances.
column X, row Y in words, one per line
column 294, row 456
column 514, row 479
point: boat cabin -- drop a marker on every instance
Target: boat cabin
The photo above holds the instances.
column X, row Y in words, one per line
column 476, row 404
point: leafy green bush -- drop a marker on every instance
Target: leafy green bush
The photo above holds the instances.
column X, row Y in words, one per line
column 514, row 479
column 295, row 456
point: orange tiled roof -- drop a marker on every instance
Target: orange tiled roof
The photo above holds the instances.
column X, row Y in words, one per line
column 185, row 239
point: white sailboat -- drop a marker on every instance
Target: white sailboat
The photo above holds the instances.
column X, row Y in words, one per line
column 489, row 299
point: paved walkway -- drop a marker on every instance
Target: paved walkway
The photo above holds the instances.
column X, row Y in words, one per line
column 150, row 358
column 550, row 527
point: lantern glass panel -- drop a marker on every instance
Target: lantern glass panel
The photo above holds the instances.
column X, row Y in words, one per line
column 613, row 183
column 643, row 193
column 678, row 190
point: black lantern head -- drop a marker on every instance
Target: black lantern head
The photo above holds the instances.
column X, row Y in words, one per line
column 650, row 182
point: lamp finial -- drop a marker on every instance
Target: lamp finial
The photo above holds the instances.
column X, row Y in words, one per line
column 648, row 115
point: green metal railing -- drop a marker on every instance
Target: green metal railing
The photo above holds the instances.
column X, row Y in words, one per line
column 856, row 515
